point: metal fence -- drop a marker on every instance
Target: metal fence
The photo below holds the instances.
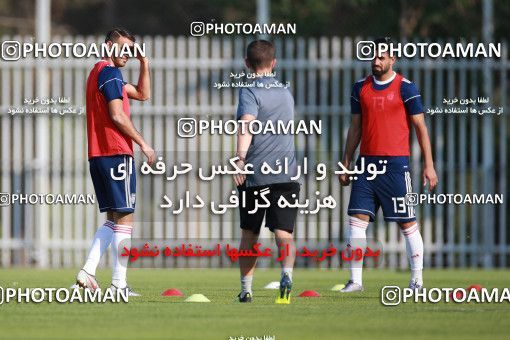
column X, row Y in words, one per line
column 46, row 153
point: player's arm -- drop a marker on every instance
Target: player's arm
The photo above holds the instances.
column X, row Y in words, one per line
column 247, row 110
column 110, row 83
column 353, row 140
column 429, row 173
column 414, row 108
column 124, row 124
column 243, row 143
column 354, row 133
column 142, row 90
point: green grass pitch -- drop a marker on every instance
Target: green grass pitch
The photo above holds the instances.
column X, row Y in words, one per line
column 331, row 316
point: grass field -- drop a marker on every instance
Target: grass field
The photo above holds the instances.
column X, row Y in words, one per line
column 332, row 316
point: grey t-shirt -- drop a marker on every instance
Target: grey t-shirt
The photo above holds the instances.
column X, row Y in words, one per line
column 274, row 104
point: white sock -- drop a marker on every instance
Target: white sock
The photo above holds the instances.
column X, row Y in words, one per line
column 287, row 271
column 102, row 240
column 357, row 239
column 121, row 239
column 246, row 282
column 414, row 249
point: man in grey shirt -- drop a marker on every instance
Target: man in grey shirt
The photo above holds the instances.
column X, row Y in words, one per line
column 268, row 106
column 266, row 102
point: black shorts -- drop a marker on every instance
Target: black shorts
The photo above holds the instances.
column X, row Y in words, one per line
column 276, row 217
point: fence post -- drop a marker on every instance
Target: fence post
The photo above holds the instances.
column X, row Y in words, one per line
column 43, row 21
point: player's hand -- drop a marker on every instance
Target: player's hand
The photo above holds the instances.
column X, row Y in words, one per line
column 149, row 153
column 239, row 178
column 344, row 180
column 143, row 60
column 429, row 174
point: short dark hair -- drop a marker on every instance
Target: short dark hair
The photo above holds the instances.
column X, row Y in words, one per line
column 116, row 33
column 260, row 53
column 383, row 41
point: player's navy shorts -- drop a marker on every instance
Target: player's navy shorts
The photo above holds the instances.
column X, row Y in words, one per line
column 114, row 182
column 390, row 190
column 276, row 217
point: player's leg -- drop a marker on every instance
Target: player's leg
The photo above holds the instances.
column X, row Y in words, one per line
column 357, row 238
column 281, row 221
column 103, row 236
column 362, row 209
column 121, row 239
column 285, row 243
column 392, row 190
column 122, row 191
column 101, row 241
column 250, row 229
column 286, row 246
column 414, row 250
column 247, row 264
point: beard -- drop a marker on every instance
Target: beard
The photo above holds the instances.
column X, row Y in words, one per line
column 119, row 62
column 379, row 71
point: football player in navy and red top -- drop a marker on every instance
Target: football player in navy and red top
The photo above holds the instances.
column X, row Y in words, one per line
column 384, row 107
column 110, row 135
